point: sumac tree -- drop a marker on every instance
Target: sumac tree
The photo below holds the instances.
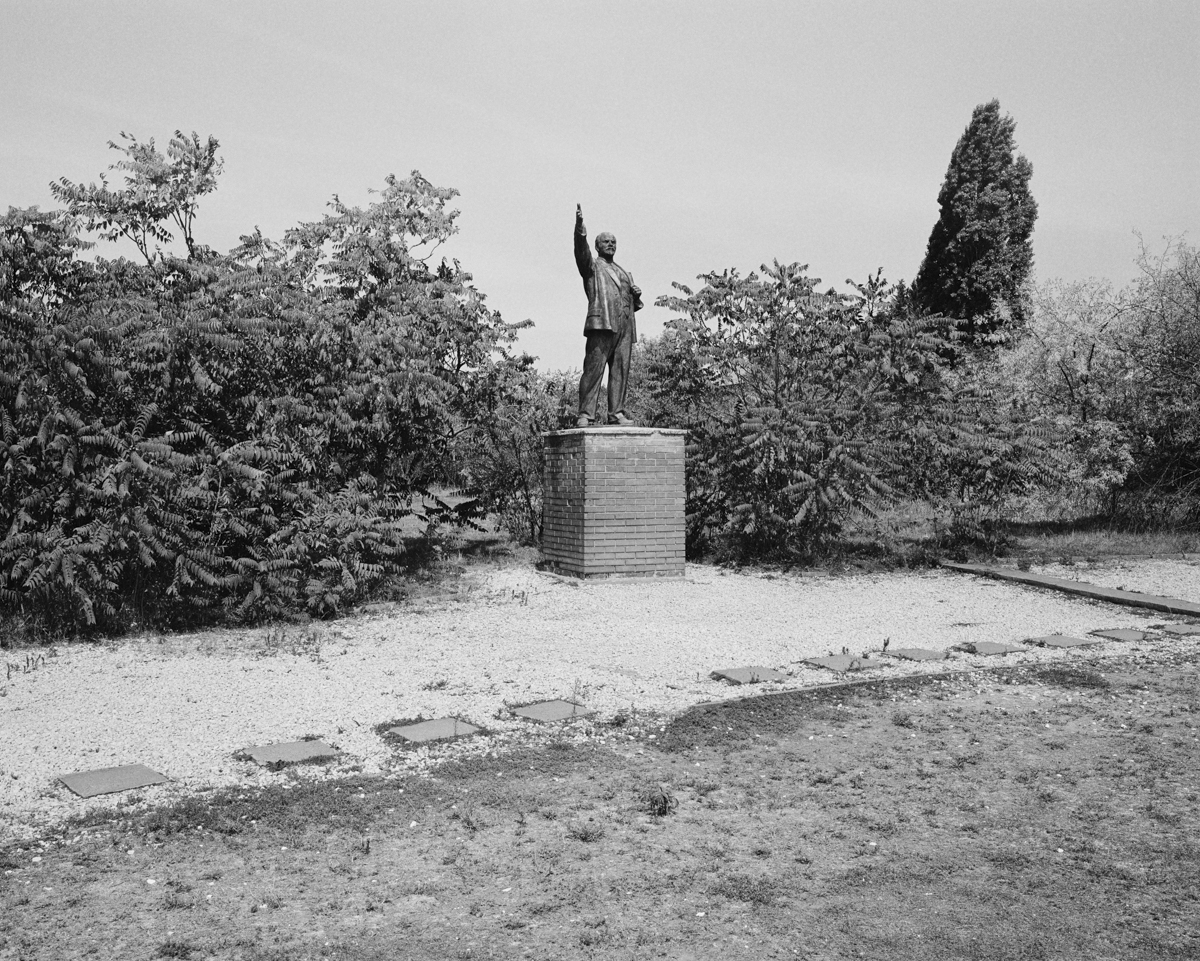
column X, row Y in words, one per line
column 805, row 407
column 245, row 432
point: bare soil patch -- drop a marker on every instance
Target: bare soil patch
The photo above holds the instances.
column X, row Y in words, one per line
column 1036, row 811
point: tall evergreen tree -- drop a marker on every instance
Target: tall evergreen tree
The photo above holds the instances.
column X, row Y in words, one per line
column 979, row 256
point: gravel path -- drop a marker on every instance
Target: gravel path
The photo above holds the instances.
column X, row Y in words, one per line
column 183, row 705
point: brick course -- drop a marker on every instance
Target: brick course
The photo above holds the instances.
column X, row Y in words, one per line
column 613, row 501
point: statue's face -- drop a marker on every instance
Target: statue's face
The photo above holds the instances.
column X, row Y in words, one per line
column 606, row 245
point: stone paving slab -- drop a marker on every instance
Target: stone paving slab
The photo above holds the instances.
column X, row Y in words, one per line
column 110, row 780
column 988, row 648
column 1155, row 602
column 436, row 730
column 917, row 654
column 1180, row 630
column 748, row 675
column 291, row 752
column 843, row 663
column 1121, row 634
column 1061, row 640
column 555, row 710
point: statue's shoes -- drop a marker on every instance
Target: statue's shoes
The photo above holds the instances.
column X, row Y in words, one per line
column 620, row 420
column 583, row 421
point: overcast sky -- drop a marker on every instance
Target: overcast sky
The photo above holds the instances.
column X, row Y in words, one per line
column 704, row 135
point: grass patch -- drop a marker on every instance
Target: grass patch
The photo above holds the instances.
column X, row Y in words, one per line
column 1098, row 537
column 908, row 535
column 1071, row 676
column 587, row 833
column 1015, row 813
column 741, row 887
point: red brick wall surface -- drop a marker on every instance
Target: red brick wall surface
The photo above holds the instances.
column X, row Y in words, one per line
column 613, row 501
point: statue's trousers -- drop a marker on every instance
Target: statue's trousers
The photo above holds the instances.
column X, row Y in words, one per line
column 611, row 348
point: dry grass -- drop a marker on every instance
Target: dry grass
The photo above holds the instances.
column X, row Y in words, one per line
column 1048, row 542
column 907, row 534
column 1012, row 814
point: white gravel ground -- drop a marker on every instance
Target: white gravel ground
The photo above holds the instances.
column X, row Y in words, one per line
column 185, row 704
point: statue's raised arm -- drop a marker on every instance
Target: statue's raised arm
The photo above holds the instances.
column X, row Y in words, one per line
column 583, row 256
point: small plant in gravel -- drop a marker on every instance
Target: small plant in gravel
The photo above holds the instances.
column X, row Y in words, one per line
column 595, row 934
column 741, row 887
column 587, row 832
column 306, row 643
column 31, row 663
column 470, row 820
column 173, row 901
column 660, row 801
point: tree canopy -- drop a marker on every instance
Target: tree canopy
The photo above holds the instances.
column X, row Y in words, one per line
column 979, row 257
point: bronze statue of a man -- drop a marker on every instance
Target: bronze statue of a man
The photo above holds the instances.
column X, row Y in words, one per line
column 610, row 328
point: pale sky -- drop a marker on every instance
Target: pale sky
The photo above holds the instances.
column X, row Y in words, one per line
column 703, row 134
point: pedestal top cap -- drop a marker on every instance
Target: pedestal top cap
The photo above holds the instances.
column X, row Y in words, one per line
column 609, row 430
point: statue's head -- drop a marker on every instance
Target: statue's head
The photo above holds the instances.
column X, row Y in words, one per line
column 606, row 245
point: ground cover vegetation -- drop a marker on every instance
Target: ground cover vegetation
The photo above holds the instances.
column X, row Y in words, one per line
column 1010, row 813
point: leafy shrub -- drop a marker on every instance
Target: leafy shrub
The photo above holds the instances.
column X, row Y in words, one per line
column 804, row 407
column 1119, row 370
column 1160, row 406
column 242, row 433
column 504, row 458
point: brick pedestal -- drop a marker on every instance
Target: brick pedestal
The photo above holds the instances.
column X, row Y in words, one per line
column 613, row 501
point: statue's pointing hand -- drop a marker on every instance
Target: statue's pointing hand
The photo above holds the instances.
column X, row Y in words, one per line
column 578, row 214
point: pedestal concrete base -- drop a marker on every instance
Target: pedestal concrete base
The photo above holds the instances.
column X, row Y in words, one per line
column 613, row 502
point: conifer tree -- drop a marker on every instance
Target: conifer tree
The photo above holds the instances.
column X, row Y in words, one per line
column 979, row 257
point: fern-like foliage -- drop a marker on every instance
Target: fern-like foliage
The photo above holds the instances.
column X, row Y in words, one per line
column 241, row 434
column 806, row 406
